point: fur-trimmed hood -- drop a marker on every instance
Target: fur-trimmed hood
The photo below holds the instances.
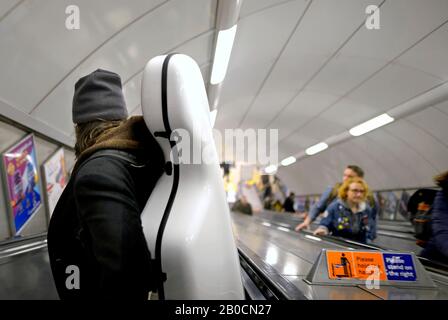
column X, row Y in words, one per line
column 132, row 135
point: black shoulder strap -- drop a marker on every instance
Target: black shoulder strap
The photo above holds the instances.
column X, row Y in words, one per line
column 118, row 154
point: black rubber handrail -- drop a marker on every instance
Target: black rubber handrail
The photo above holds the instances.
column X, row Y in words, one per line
column 17, row 240
column 433, row 266
column 278, row 286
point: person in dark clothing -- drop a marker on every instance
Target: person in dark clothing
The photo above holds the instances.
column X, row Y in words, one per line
column 288, row 205
column 242, row 206
column 437, row 246
column 96, row 227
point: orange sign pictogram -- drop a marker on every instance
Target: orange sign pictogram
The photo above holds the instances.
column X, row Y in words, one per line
column 355, row 265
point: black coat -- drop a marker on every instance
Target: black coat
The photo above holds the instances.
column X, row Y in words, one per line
column 288, row 205
column 96, row 227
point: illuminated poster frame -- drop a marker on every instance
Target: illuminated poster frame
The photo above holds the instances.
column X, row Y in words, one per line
column 54, row 175
column 22, row 183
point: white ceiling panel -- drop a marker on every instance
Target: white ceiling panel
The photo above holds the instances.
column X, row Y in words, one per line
column 372, row 160
column 305, row 106
column 358, row 153
column 334, row 22
column 37, row 49
column 5, row 6
column 390, row 152
column 252, row 57
column 326, row 168
column 378, row 163
column 388, row 160
column 350, row 153
column 128, row 52
column 443, row 107
column 430, row 55
column 349, row 113
column 432, row 150
column 344, row 72
column 296, row 143
column 392, row 86
column 321, row 129
column 301, row 180
column 370, row 50
column 433, row 122
column 402, row 24
column 253, row 6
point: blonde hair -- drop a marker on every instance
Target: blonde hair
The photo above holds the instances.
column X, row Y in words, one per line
column 88, row 133
column 343, row 190
column 441, row 179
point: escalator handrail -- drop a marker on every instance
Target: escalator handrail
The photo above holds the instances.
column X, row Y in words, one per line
column 433, row 266
column 281, row 287
column 17, row 240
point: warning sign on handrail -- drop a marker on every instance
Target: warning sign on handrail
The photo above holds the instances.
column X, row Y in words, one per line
column 358, row 267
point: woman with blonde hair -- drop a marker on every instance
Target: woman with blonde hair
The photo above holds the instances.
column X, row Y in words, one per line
column 349, row 215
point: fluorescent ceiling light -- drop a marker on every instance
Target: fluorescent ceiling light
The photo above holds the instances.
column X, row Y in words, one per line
column 213, row 115
column 288, row 161
column 370, row 125
column 316, row 148
column 222, row 54
column 270, row 169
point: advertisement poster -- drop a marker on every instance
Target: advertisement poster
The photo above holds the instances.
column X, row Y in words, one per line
column 55, row 176
column 22, row 182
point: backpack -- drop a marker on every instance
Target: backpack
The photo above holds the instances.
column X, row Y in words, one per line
column 420, row 211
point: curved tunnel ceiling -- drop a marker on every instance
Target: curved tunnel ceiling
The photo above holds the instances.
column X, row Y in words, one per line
column 308, row 68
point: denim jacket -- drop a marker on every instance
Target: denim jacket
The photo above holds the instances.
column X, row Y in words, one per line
column 340, row 221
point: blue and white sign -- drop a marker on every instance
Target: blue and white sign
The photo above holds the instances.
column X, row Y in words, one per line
column 399, row 267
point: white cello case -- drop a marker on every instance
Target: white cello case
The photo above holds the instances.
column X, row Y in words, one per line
column 198, row 251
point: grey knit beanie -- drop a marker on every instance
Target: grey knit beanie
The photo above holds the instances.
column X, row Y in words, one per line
column 98, row 95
